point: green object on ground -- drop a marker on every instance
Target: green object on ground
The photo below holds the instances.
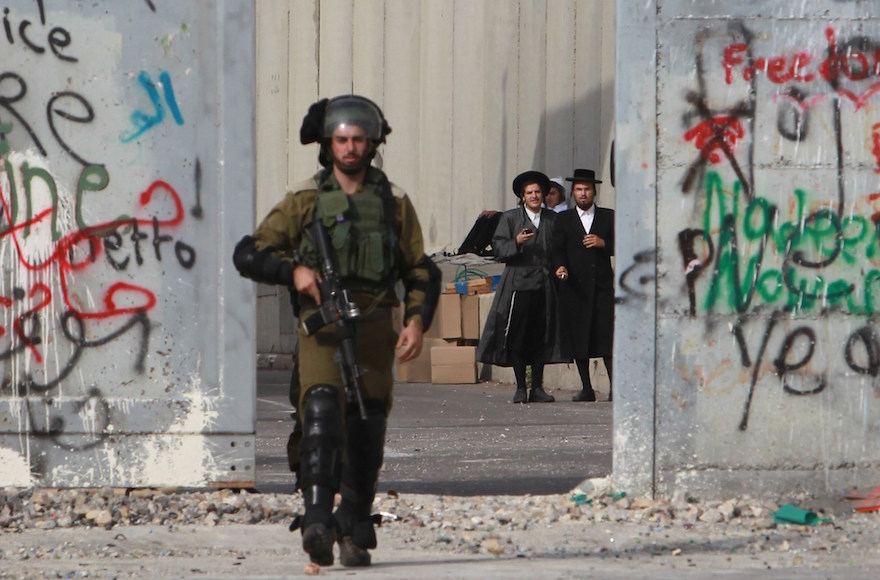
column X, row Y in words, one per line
column 617, row 495
column 792, row 514
column 581, row 499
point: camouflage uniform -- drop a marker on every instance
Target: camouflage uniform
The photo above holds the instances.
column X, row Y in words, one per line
column 270, row 256
column 282, row 230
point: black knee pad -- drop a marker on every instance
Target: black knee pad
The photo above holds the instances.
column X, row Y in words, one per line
column 320, row 448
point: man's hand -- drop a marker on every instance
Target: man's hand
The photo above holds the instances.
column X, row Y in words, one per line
column 593, row 241
column 306, row 281
column 409, row 344
column 562, row 272
column 524, row 236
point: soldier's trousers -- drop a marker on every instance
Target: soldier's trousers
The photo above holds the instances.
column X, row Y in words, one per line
column 359, row 443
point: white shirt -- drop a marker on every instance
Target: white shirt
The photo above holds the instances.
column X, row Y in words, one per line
column 535, row 217
column 587, row 217
column 561, row 207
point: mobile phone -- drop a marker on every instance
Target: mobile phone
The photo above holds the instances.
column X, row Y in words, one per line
column 527, row 230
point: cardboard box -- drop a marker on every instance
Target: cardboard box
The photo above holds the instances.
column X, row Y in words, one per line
column 453, row 364
column 447, row 319
column 418, row 370
column 452, row 355
column 453, row 375
column 470, row 317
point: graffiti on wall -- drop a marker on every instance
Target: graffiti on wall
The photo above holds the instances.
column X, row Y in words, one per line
column 785, row 237
column 86, row 233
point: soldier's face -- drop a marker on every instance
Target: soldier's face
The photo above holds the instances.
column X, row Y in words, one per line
column 532, row 197
column 349, row 147
column 584, row 194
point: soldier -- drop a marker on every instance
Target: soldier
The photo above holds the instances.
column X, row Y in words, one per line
column 375, row 233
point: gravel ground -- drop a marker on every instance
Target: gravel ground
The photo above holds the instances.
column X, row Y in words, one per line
column 118, row 533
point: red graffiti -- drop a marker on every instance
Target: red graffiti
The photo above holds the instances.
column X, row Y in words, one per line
column 779, row 69
column 875, row 140
column 159, row 204
column 7, row 302
column 873, row 198
column 852, row 64
column 720, row 132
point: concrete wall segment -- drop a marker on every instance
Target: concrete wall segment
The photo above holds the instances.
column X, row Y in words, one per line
column 635, row 250
column 766, row 241
column 127, row 176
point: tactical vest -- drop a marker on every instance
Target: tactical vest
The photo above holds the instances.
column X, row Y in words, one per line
column 361, row 231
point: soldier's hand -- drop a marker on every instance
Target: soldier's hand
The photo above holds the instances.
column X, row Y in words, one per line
column 306, row 281
column 409, row 343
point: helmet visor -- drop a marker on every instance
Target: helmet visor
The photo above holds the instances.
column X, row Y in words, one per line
column 352, row 110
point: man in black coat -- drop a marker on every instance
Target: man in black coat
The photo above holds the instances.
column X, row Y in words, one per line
column 520, row 329
column 583, row 244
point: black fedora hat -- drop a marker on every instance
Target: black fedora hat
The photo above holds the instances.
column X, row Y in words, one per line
column 584, row 176
column 523, row 179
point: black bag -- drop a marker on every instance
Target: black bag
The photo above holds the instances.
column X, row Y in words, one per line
column 479, row 239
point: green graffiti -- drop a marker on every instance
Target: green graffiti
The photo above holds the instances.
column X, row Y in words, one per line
column 28, row 174
column 85, row 183
column 92, row 179
column 812, row 261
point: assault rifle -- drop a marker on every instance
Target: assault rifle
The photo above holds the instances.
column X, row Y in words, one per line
column 336, row 306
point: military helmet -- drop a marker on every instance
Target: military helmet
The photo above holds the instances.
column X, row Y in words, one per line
column 355, row 110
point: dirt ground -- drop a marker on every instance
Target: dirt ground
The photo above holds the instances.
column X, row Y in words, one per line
column 492, row 537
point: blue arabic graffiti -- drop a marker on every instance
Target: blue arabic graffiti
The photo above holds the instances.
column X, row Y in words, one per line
column 146, row 121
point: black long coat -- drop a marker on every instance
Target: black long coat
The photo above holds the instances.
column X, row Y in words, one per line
column 586, row 297
column 525, row 266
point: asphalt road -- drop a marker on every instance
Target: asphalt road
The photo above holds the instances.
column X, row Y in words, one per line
column 459, row 440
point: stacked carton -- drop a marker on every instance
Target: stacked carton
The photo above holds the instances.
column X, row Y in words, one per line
column 450, row 345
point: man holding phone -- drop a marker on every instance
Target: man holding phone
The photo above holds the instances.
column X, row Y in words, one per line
column 521, row 327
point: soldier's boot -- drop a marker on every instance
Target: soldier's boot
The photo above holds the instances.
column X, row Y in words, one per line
column 318, row 533
column 320, row 471
column 351, row 555
column 356, row 534
column 364, row 447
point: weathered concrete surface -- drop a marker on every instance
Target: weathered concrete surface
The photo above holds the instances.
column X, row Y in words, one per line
column 126, row 177
column 747, row 150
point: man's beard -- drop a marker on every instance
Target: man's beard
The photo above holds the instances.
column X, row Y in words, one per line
column 352, row 168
